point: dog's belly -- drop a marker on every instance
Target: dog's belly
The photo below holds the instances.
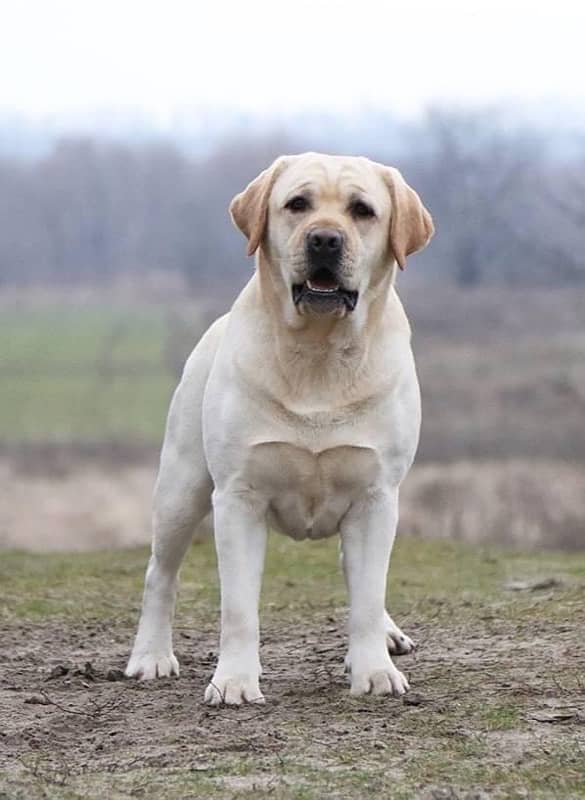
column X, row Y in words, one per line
column 308, row 493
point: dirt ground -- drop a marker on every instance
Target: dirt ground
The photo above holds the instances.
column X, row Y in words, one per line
column 496, row 709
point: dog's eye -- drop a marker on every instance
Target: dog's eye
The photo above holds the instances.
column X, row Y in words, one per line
column 361, row 210
column 298, row 203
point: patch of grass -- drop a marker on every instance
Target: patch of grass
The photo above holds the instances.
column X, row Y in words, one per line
column 91, row 373
column 289, row 780
column 69, row 337
column 38, row 780
column 85, row 407
column 428, row 579
column 501, row 718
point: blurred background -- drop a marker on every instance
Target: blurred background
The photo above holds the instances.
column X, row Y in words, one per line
column 126, row 128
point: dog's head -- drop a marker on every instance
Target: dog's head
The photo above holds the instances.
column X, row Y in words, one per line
column 331, row 227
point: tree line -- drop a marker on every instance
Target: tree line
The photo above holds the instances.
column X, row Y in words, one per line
column 509, row 207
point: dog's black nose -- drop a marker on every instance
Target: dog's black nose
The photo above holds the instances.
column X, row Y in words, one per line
column 324, row 243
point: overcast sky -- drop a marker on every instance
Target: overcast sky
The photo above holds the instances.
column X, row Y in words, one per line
column 163, row 56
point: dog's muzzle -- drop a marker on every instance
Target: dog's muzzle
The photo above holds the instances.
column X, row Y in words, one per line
column 323, row 291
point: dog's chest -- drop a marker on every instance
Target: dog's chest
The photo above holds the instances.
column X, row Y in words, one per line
column 308, row 493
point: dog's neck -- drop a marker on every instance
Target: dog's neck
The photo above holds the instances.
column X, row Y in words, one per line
column 326, row 352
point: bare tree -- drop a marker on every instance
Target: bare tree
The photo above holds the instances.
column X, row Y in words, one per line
column 507, row 209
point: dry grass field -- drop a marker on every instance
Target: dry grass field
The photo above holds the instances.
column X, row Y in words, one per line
column 91, row 503
column 87, row 379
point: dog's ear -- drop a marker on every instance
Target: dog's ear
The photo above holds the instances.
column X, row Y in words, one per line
column 249, row 209
column 411, row 225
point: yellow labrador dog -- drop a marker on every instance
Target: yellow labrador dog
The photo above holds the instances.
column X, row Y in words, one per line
column 299, row 411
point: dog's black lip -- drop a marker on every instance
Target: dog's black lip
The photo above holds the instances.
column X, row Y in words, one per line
column 300, row 291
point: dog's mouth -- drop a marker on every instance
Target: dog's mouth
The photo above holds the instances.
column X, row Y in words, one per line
column 324, row 293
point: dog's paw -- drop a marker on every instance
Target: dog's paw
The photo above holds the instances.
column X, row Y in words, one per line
column 147, row 666
column 375, row 675
column 379, row 682
column 233, row 690
column 399, row 644
column 387, row 680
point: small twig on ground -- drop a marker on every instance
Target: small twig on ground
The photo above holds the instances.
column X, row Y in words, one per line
column 98, row 708
column 220, row 693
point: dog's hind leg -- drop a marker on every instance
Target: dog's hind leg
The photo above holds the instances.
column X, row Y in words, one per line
column 181, row 502
column 399, row 644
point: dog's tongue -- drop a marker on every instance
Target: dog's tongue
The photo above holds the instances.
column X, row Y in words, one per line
column 323, row 281
column 323, row 284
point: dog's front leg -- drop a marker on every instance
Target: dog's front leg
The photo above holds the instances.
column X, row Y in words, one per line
column 240, row 541
column 367, row 534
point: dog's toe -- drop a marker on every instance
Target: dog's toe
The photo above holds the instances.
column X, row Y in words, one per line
column 387, row 681
column 148, row 666
column 233, row 691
